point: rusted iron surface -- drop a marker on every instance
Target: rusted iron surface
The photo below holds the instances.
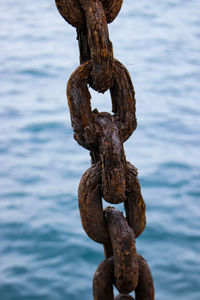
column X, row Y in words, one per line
column 91, row 208
column 124, row 251
column 134, row 203
column 72, row 11
column 145, row 288
column 82, row 117
column 103, row 280
column 123, row 297
column 90, row 205
column 100, row 46
column 110, row 176
column 112, row 159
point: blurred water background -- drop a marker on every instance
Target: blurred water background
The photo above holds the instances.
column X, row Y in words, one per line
column 44, row 252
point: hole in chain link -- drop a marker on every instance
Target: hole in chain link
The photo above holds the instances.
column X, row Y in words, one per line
column 119, row 206
column 102, row 102
column 116, row 292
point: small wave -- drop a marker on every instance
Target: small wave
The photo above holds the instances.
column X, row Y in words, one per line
column 36, row 73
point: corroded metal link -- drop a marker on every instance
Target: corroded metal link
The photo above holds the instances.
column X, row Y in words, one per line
column 134, row 203
column 80, row 108
column 72, row 12
column 90, row 204
column 123, row 101
column 123, row 297
column 103, row 282
column 124, row 251
column 112, row 8
column 123, row 104
column 100, row 46
column 112, row 158
column 104, row 278
column 145, row 288
column 124, row 271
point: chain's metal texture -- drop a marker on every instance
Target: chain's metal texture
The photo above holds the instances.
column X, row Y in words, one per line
column 110, row 176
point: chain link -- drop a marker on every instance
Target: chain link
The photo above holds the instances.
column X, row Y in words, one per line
column 110, row 176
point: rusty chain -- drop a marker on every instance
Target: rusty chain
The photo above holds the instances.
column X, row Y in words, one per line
column 110, row 176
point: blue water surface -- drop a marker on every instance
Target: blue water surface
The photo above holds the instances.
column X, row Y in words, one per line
column 44, row 252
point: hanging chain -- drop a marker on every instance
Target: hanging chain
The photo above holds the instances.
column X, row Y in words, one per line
column 110, row 176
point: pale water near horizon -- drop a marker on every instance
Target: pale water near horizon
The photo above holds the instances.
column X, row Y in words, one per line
column 44, row 252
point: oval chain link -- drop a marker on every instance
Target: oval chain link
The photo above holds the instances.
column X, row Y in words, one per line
column 110, row 176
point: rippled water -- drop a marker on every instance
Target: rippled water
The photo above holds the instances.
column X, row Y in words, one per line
column 44, row 251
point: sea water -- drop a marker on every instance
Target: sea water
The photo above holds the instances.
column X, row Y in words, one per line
column 44, row 252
